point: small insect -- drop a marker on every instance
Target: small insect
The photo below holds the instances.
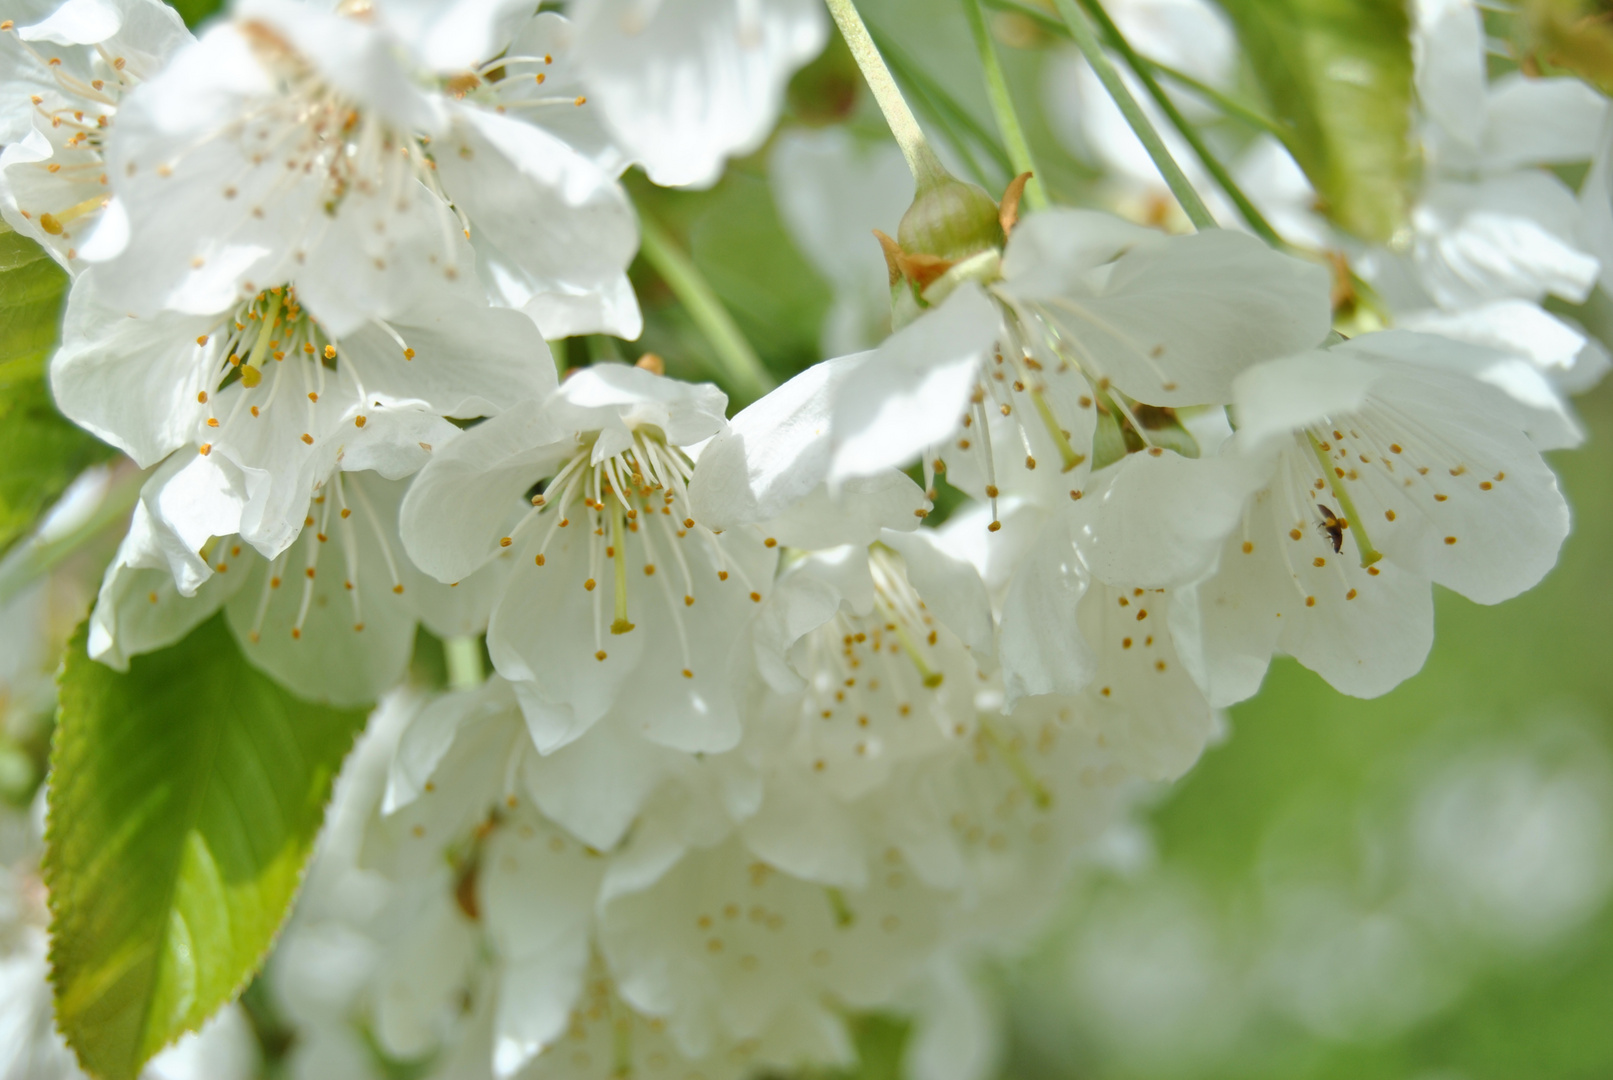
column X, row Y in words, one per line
column 1333, row 526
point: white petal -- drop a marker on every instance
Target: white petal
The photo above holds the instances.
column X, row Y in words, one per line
column 350, row 645
column 1159, row 521
column 1515, row 235
column 620, row 396
column 911, row 392
column 431, row 733
column 957, row 1034
column 863, row 508
column 1542, row 122
column 1273, row 399
column 949, row 586
column 460, row 504
column 139, row 608
column 380, row 253
column 1042, row 648
column 1515, row 327
column 1173, row 322
column 1364, row 644
column 1052, row 251
column 453, row 36
column 768, row 468
column 596, row 786
column 773, row 452
column 803, row 831
column 688, row 83
column 1448, row 46
column 550, row 35
column 131, row 381
column 553, row 232
column 468, row 361
column 1145, row 703
column 352, row 55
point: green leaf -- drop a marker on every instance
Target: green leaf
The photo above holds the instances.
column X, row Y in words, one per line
column 41, row 450
column 184, row 800
column 1338, row 74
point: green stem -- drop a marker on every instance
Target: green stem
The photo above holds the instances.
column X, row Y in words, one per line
column 921, row 160
column 1225, row 102
column 33, row 559
column 463, row 655
column 743, row 368
column 944, row 110
column 1002, row 106
column 1175, row 179
column 1212, row 164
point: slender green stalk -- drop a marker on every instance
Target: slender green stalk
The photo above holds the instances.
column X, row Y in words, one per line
column 945, row 111
column 34, row 558
column 1212, row 164
column 1002, row 106
column 1175, row 179
column 463, row 655
column 1225, row 102
column 742, row 367
column 921, row 160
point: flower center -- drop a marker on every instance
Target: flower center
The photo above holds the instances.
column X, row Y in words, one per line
column 868, row 673
column 631, row 502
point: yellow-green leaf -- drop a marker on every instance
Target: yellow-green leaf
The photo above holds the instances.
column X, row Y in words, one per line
column 42, row 452
column 184, row 800
column 1338, row 74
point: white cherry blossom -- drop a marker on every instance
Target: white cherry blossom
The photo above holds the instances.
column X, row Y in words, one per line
column 619, row 596
column 1087, row 305
column 271, row 391
column 296, row 143
column 63, row 75
column 1388, row 472
column 1494, row 231
column 332, row 615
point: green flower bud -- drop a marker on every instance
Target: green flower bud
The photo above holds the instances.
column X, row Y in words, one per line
column 951, row 220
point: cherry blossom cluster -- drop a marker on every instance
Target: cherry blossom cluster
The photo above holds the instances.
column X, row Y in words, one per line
column 767, row 742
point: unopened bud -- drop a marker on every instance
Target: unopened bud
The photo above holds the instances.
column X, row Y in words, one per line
column 950, row 220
